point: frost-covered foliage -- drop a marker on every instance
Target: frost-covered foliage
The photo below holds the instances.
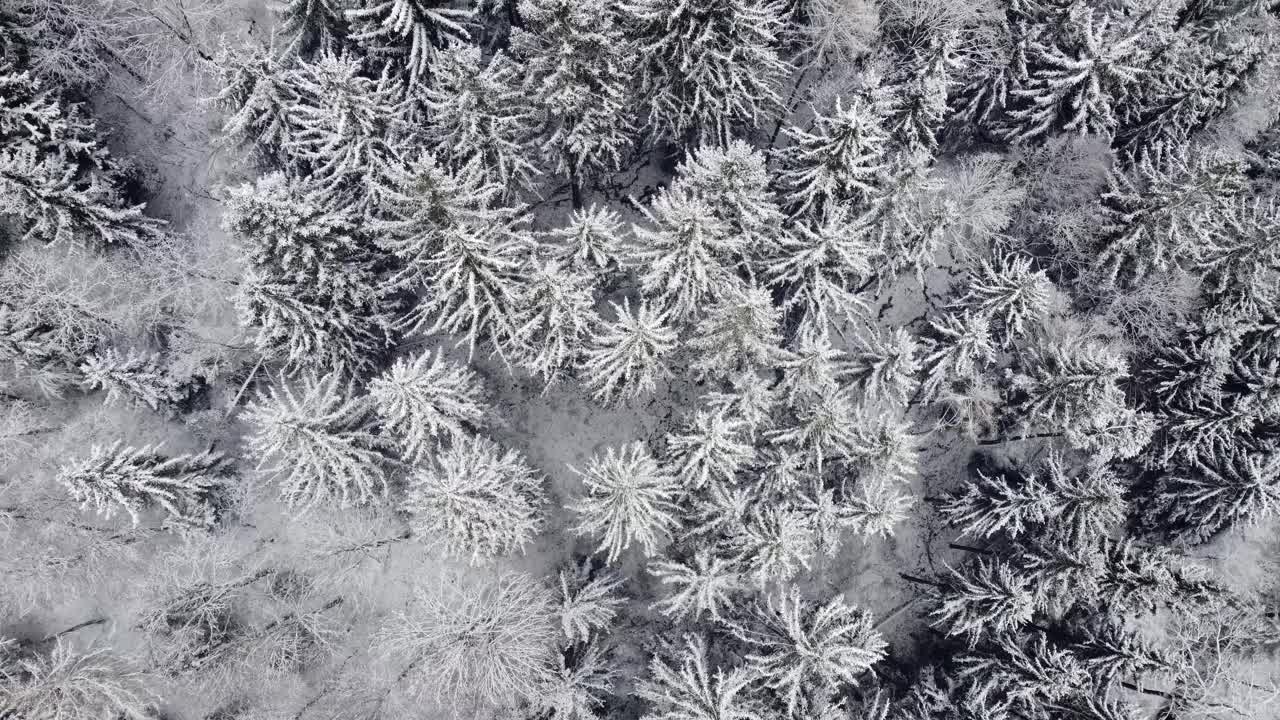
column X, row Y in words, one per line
column 629, row 499
column 688, row 688
column 319, row 443
column 68, row 684
column 425, row 400
column 479, row 500
column 182, row 487
column 135, row 375
column 406, row 33
column 627, row 357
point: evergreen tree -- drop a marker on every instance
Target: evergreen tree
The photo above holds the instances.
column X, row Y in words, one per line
column 314, row 25
column 708, row 69
column 749, row 399
column 734, row 182
column 257, row 95
column 884, row 365
column 1110, row 653
column 577, row 60
column 688, row 257
column 479, row 500
column 693, row 691
column 796, row 646
column 591, row 242
column 1242, row 252
column 454, row 244
column 774, row 543
column 1198, row 500
column 710, row 450
column 820, row 267
column 1160, row 213
column 347, row 129
column 32, row 348
column 407, row 33
column 844, row 159
column 476, row 111
column 1008, row 291
column 626, row 357
column 629, row 499
column 554, row 321
column 426, row 400
column 987, row 598
column 1032, row 674
column 737, row 334
column 135, row 375
column 318, row 443
column 1072, row 387
column 135, row 480
column 589, row 603
column 824, row 427
column 957, row 351
column 704, row 583
column 311, row 292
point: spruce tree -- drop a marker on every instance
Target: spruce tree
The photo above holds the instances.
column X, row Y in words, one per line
column 705, row 583
column 1008, row 291
column 1197, row 500
column 315, row 26
column 734, row 181
column 425, row 401
column 554, row 321
column 319, row 443
column 626, row 357
column 845, row 158
column 986, row 598
column 136, row 375
column 629, row 499
column 819, row 267
column 688, row 688
column 711, row 449
column 737, row 334
column 480, row 501
column 406, row 34
column 256, row 97
column 591, row 242
column 139, row 479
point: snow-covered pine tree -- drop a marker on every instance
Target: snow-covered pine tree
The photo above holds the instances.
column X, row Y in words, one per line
column 689, row 254
column 134, row 374
column 627, row 356
column 913, row 98
column 958, row 348
column 629, row 499
column 311, row 292
column 348, row 129
column 255, row 97
column 739, row 333
column 693, row 690
column 462, row 251
column 1073, row 387
column 1007, row 290
column 1242, row 255
column 319, row 443
column 734, row 182
column 477, row 500
column 589, row 602
column 1076, row 69
column 406, row 34
column 798, row 647
column 477, row 110
column 555, row 319
column 711, row 448
column 1162, row 211
column 987, row 598
column 1202, row 498
column 1032, row 673
column 577, row 60
column 704, row 583
column 883, row 365
column 425, row 400
column 591, row 242
column 824, row 427
column 749, row 398
column 315, row 26
column 138, row 479
column 581, row 686
column 820, row 266
column 845, row 158
column 774, row 543
column 708, row 69
column 1110, row 652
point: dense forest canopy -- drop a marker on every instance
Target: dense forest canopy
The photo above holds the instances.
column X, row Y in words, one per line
column 639, row 359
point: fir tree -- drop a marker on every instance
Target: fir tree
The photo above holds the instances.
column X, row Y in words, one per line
column 688, row 256
column 311, row 292
column 426, row 400
column 774, row 544
column 479, row 500
column 135, row 375
column 820, row 267
column 629, row 499
column 314, row 25
column 711, row 449
column 987, row 598
column 796, row 646
column 462, row 251
column 884, row 365
column 626, row 357
column 318, row 443
column 345, row 128
column 737, row 334
column 476, row 111
column 589, row 602
column 1158, row 214
column 844, row 159
column 135, row 480
column 1242, row 252
column 704, row 583
column 693, row 691
column 256, row 97
column 958, row 349
column 1110, row 653
column 750, row 398
column 591, row 242
column 1008, row 291
column 577, row 60
column 407, row 33
column 734, row 181
column 1032, row 673
column 1198, row 500
column 824, row 427
column 1072, row 387
column 708, row 68
column 554, row 321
